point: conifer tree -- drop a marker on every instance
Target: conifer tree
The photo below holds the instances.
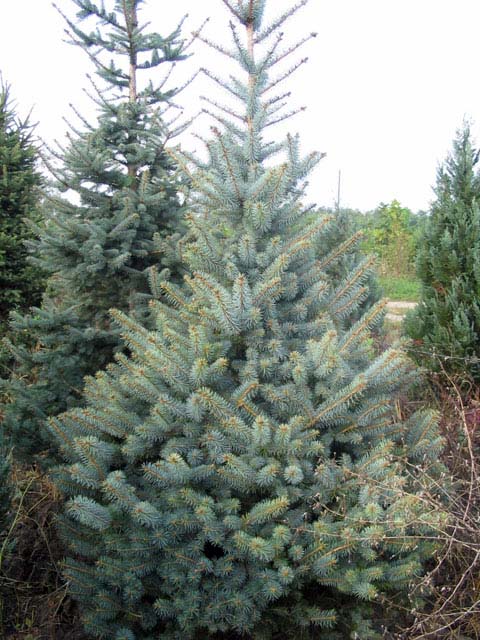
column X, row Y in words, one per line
column 20, row 283
column 99, row 247
column 243, row 470
column 446, row 323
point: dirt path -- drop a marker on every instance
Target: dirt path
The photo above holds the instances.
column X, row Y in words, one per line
column 397, row 309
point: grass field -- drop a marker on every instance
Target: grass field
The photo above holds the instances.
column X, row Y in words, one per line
column 400, row 288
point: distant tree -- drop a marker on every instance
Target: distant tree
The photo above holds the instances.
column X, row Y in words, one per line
column 390, row 234
column 418, row 224
column 101, row 247
column 21, row 284
column 447, row 319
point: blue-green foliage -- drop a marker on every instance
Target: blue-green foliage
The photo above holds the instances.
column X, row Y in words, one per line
column 99, row 245
column 344, row 238
column 243, row 470
column 446, row 323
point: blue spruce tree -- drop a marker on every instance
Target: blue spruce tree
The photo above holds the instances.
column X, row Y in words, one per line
column 344, row 240
column 243, row 470
column 98, row 248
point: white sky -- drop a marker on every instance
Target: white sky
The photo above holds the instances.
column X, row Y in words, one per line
column 387, row 84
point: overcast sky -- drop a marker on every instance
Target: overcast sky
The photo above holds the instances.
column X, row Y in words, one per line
column 387, row 84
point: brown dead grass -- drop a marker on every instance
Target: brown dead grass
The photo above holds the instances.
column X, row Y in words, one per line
column 453, row 603
column 34, row 604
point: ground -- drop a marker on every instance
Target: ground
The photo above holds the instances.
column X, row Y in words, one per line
column 397, row 309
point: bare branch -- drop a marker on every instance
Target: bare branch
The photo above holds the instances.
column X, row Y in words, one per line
column 279, row 21
column 232, row 9
column 286, row 116
column 221, row 83
column 217, row 47
column 291, row 49
column 285, row 75
column 223, row 108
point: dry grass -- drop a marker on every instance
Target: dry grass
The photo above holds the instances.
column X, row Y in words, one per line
column 33, row 596
column 445, row 604
column 453, row 606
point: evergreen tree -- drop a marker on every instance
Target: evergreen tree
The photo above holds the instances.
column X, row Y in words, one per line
column 446, row 323
column 100, row 246
column 243, row 470
column 391, row 236
column 20, row 283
